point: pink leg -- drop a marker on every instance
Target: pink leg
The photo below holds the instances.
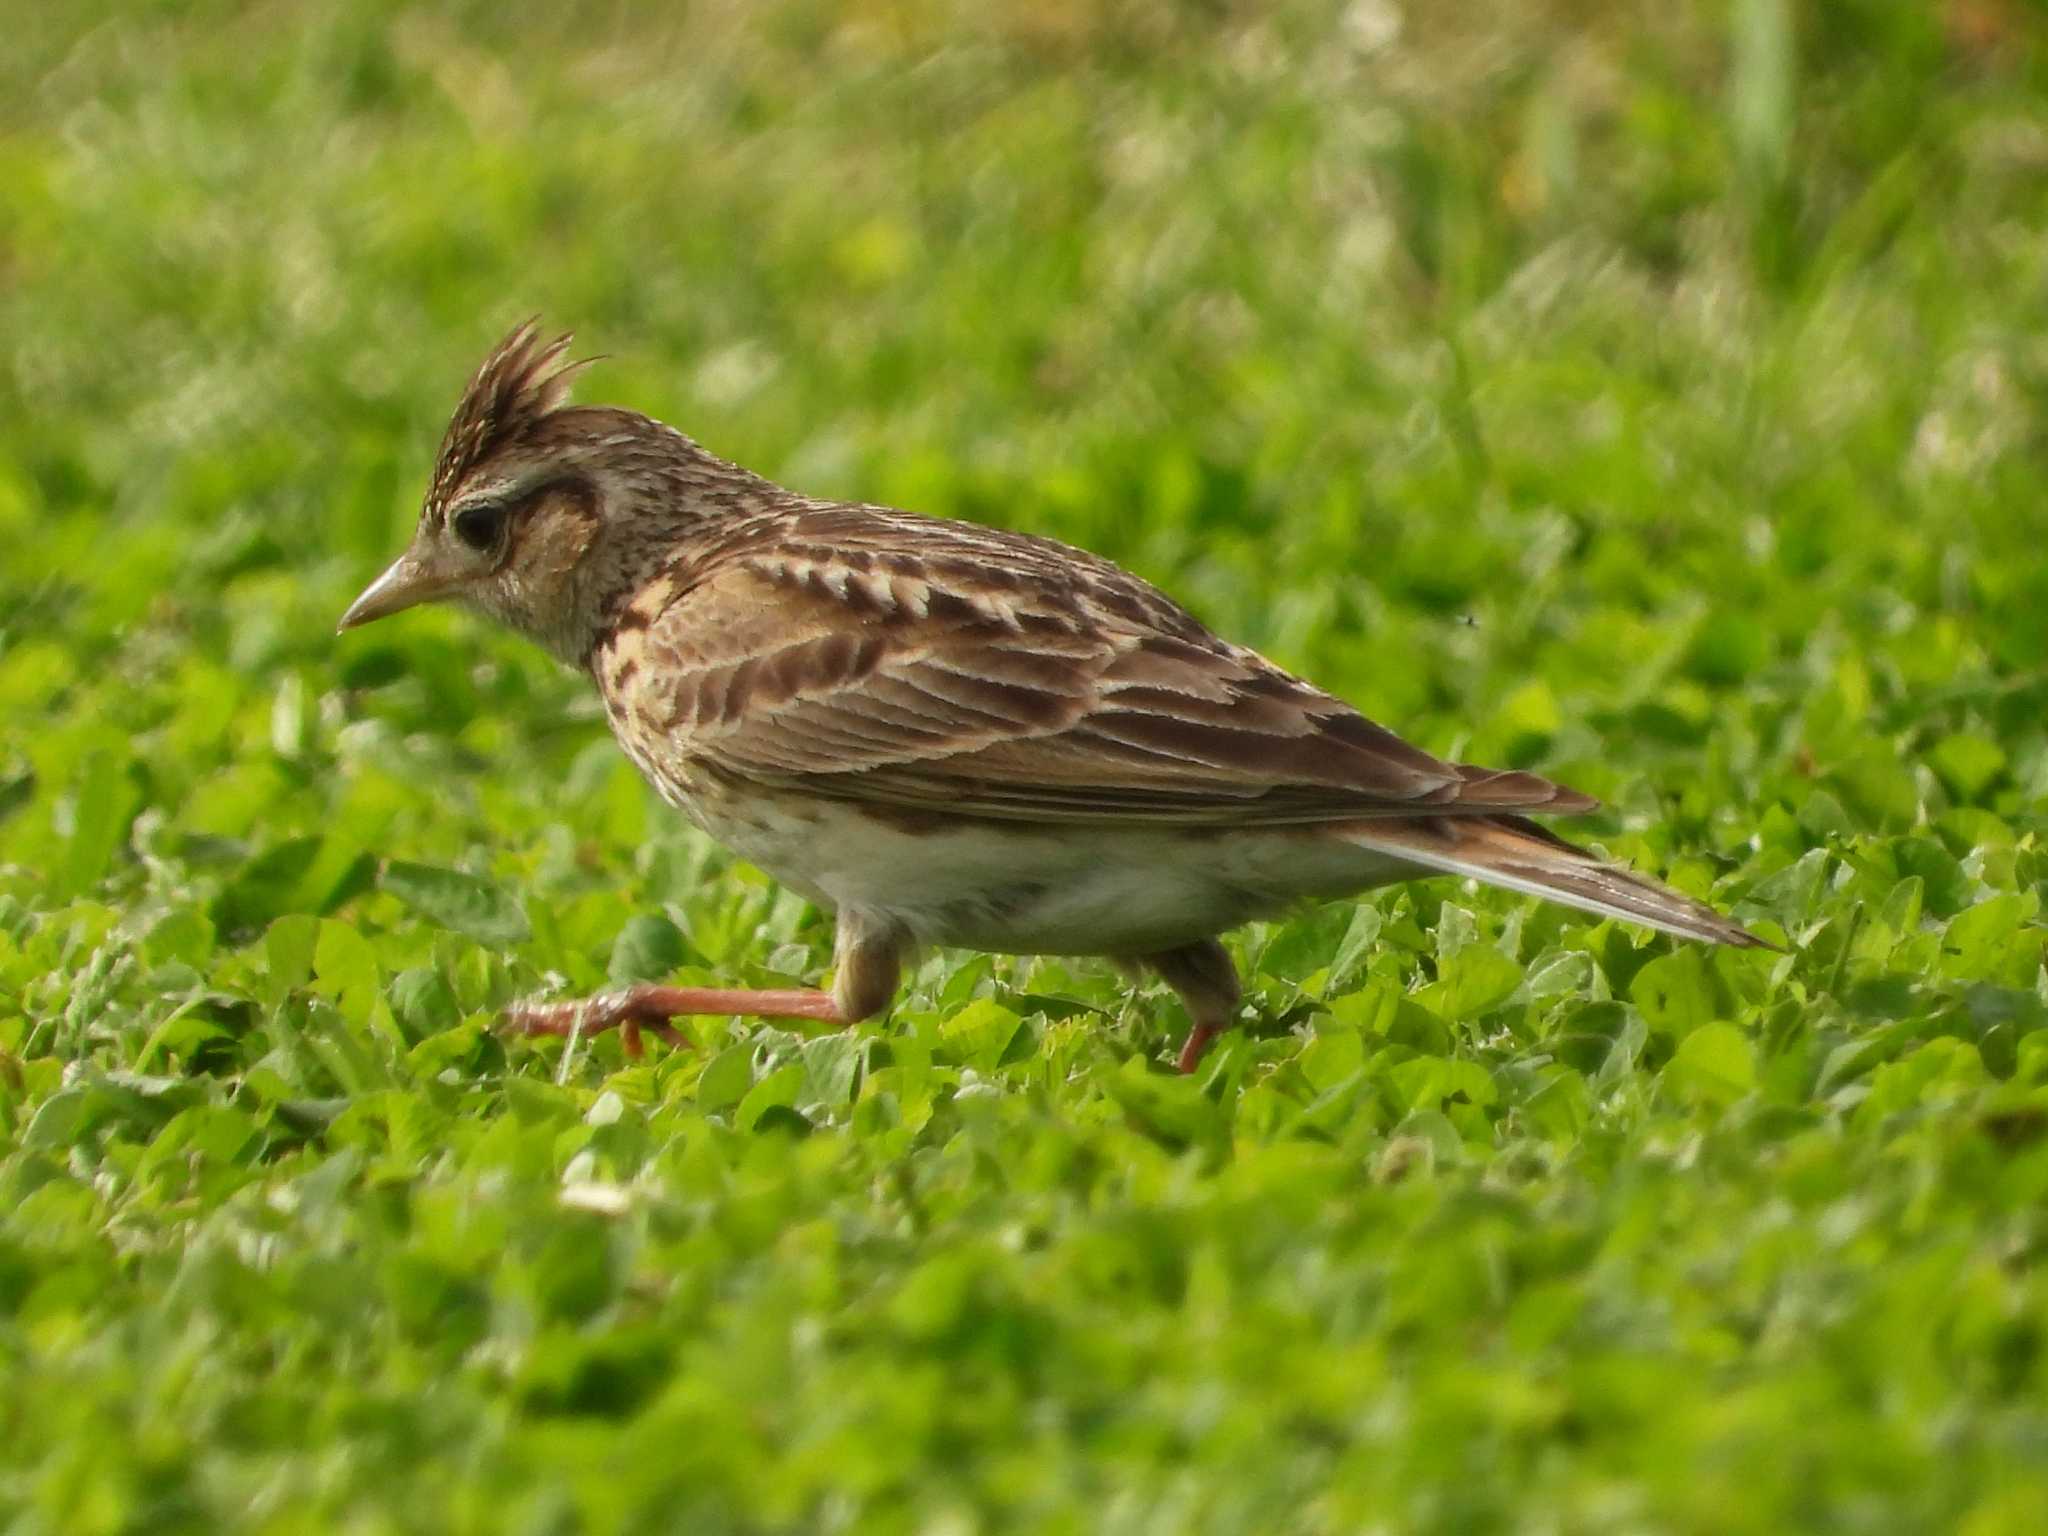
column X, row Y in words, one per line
column 1206, row 982
column 1197, row 1042
column 649, row 1007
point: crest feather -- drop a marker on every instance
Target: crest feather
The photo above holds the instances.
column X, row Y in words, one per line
column 523, row 380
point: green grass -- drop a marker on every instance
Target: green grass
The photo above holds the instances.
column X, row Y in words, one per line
column 1651, row 396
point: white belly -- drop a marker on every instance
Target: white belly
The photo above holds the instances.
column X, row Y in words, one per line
column 1019, row 889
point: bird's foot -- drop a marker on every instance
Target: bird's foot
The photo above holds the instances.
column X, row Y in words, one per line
column 647, row 1008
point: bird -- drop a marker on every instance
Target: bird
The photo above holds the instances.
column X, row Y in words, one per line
column 942, row 733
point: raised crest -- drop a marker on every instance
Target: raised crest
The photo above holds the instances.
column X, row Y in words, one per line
column 523, row 380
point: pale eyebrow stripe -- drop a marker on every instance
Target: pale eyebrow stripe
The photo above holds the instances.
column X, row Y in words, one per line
column 505, row 493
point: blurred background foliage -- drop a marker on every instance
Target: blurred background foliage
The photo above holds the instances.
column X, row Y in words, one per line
column 1650, row 394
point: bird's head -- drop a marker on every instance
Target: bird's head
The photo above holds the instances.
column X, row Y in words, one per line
column 542, row 514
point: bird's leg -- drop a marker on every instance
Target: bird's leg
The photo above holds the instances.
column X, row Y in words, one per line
column 648, row 1007
column 868, row 965
column 1202, row 976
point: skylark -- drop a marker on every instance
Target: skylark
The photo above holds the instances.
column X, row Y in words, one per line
column 943, row 733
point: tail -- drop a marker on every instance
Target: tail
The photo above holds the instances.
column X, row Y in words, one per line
column 1517, row 854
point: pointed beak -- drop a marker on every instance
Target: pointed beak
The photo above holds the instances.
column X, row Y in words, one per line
column 406, row 582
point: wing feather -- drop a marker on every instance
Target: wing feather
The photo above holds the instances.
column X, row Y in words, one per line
column 912, row 662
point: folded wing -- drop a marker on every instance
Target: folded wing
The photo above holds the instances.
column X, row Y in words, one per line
column 978, row 673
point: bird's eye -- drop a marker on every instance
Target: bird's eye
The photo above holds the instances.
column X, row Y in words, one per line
column 478, row 527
